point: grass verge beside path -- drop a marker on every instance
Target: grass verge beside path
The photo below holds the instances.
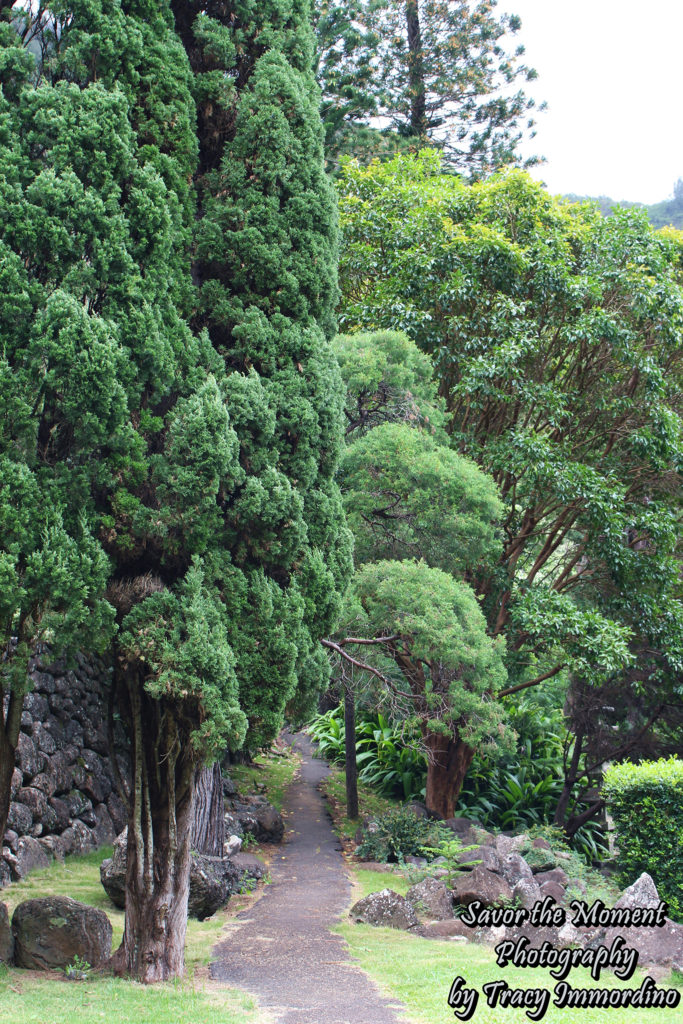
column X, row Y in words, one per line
column 46, row 997
column 420, row 972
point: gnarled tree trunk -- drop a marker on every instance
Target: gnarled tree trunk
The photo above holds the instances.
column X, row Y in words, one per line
column 159, row 833
column 448, row 759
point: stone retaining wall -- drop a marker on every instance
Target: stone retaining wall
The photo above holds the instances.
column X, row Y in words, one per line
column 64, row 799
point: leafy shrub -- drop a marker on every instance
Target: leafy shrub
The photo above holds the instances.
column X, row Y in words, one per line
column 515, row 792
column 646, row 803
column 399, row 834
column 387, row 759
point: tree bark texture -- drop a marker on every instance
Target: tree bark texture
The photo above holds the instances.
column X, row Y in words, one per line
column 416, row 81
column 159, row 832
column 208, row 828
column 351, row 765
column 9, row 736
column 448, row 760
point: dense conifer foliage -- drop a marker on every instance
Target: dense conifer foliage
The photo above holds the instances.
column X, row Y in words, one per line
column 187, row 415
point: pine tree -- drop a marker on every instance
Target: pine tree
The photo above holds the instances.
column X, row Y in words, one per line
column 441, row 72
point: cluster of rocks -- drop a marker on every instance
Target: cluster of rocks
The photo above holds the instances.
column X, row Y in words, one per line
column 251, row 816
column 515, row 871
column 63, row 794
column 52, row 932
column 213, row 880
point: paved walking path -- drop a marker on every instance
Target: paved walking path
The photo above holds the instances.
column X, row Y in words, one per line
column 284, row 953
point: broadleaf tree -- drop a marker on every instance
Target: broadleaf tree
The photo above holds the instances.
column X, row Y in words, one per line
column 556, row 338
column 423, row 519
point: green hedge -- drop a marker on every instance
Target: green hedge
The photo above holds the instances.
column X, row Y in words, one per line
column 646, row 803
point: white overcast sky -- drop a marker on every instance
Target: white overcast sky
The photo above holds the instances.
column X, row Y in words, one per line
column 611, row 72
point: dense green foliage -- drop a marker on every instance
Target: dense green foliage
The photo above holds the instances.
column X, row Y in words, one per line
column 389, row 756
column 168, row 297
column 556, row 340
column 423, row 518
column 387, row 380
column 646, row 803
column 444, row 71
column 398, row 834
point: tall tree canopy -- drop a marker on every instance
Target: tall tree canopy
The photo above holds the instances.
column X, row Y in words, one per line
column 172, row 249
column 556, row 338
column 428, row 71
column 423, row 519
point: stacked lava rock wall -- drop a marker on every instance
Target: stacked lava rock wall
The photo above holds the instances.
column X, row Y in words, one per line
column 64, row 799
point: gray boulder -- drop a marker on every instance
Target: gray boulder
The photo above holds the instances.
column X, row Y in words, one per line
column 431, row 900
column 212, row 880
column 5, row 873
column 50, row 932
column 30, row 760
column 385, row 909
column 483, row 885
column 487, row 856
column 29, row 855
column 261, row 820
column 555, row 875
column 453, row 930
column 20, row 818
column 513, row 867
column 553, row 889
column 643, row 893
column 661, row 945
column 527, row 891
column 104, row 832
column 6, row 937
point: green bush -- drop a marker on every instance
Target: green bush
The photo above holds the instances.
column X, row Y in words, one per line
column 646, row 803
column 517, row 791
column 399, row 834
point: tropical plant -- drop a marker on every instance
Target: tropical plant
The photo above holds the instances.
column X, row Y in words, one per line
column 398, row 834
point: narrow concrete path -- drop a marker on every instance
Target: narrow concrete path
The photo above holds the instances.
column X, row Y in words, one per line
column 284, row 953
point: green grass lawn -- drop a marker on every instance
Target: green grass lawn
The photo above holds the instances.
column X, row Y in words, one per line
column 48, row 998
column 419, row 972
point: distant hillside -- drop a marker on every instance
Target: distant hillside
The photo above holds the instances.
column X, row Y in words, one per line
column 668, row 212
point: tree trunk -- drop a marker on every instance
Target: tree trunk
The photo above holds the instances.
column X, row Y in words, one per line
column 6, row 771
column 9, row 736
column 571, row 774
column 448, row 759
column 350, row 754
column 208, row 829
column 416, row 80
column 159, row 832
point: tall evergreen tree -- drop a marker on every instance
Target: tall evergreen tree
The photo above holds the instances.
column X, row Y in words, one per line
column 214, row 440
column 424, row 71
